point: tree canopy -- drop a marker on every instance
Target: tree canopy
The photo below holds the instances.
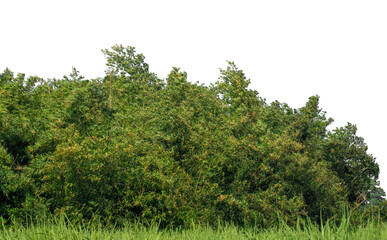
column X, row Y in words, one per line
column 130, row 145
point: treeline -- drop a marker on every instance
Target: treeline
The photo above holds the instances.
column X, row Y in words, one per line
column 131, row 146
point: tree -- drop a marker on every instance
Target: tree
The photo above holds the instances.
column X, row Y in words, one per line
column 232, row 88
column 347, row 154
column 132, row 146
column 377, row 194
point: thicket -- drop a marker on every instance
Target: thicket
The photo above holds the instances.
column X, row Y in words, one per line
column 132, row 146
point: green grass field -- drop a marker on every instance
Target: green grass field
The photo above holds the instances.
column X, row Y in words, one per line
column 58, row 229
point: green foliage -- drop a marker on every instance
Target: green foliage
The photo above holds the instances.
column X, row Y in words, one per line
column 61, row 228
column 377, row 194
column 347, row 154
column 132, row 146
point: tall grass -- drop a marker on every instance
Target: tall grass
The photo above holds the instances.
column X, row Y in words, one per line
column 60, row 228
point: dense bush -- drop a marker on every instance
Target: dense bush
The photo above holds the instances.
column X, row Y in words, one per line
column 133, row 146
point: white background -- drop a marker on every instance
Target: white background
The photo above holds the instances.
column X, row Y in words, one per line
column 290, row 50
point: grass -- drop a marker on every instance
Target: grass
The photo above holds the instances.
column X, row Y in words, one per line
column 59, row 229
